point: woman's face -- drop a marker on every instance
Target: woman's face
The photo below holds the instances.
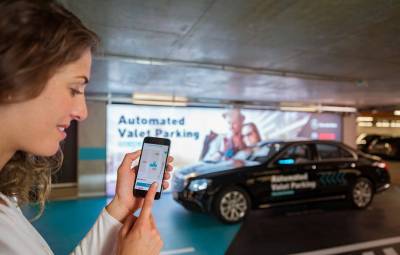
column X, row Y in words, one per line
column 38, row 125
column 250, row 136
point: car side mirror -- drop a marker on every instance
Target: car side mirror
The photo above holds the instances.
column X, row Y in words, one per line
column 285, row 161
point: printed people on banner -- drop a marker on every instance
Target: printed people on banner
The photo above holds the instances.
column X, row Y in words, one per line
column 242, row 142
column 218, row 147
column 234, row 141
column 251, row 135
column 252, row 140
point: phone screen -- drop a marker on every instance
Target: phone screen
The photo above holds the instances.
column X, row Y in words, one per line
column 151, row 166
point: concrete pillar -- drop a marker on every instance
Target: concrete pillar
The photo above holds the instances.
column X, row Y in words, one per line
column 92, row 151
column 349, row 130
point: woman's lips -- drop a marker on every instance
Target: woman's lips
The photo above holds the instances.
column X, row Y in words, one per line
column 61, row 130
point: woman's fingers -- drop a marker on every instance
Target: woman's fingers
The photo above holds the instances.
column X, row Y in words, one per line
column 128, row 159
column 144, row 216
column 152, row 223
column 169, row 168
column 129, row 221
column 167, row 176
column 143, row 236
column 165, row 185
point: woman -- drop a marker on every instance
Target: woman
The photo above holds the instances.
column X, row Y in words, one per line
column 45, row 60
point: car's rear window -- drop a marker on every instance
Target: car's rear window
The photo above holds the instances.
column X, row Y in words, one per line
column 331, row 151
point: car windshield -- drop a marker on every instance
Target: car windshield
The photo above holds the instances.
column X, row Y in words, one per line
column 265, row 151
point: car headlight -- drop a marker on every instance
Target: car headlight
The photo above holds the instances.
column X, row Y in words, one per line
column 200, row 184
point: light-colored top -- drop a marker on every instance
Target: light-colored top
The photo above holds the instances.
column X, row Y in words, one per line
column 18, row 236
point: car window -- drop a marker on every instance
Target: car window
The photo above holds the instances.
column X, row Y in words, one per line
column 264, row 152
column 383, row 147
column 298, row 154
column 332, row 151
column 345, row 153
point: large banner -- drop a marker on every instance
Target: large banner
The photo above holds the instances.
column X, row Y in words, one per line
column 207, row 134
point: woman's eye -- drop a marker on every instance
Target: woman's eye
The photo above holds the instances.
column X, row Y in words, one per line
column 75, row 92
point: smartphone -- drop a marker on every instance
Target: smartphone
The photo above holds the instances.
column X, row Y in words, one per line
column 152, row 165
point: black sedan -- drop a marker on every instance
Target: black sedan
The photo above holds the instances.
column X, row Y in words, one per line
column 386, row 147
column 278, row 173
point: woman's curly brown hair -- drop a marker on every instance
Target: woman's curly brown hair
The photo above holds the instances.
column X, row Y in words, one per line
column 28, row 177
column 37, row 38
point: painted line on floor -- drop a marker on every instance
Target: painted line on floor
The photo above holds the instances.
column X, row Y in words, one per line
column 178, row 251
column 390, row 251
column 353, row 247
column 368, row 253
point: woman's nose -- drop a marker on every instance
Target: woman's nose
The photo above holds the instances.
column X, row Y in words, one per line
column 80, row 110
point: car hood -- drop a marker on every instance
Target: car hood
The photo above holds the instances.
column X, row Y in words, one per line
column 203, row 168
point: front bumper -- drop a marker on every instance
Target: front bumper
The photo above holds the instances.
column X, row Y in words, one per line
column 197, row 201
column 383, row 187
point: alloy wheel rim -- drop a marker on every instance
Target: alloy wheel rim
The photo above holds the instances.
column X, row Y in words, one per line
column 233, row 206
column 362, row 193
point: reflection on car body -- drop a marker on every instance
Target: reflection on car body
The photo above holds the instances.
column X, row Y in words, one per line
column 281, row 172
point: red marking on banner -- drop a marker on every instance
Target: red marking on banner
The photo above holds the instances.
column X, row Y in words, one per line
column 327, row 136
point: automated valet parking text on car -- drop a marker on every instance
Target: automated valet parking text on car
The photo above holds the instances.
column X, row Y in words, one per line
column 281, row 173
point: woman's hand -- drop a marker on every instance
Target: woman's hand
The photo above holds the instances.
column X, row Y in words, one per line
column 139, row 236
column 124, row 202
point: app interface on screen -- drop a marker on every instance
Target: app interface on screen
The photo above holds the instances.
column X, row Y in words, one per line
column 152, row 165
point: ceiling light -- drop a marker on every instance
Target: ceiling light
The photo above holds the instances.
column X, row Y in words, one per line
column 365, row 124
column 383, row 124
column 395, row 124
column 299, row 108
column 328, row 108
column 364, row 118
column 159, row 99
column 159, row 103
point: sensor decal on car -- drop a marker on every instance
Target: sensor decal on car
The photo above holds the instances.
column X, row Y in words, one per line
column 332, row 178
column 283, row 185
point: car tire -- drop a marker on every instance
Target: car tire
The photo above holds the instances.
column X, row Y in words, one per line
column 361, row 193
column 231, row 205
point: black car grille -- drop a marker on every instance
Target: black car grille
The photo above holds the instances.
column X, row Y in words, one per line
column 178, row 184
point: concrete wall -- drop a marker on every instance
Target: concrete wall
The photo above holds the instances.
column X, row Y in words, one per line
column 92, row 151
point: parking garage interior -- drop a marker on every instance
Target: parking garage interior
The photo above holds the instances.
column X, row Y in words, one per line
column 299, row 70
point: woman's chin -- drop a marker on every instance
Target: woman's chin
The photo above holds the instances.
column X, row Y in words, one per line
column 47, row 151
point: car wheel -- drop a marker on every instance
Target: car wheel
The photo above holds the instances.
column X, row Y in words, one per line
column 232, row 204
column 362, row 193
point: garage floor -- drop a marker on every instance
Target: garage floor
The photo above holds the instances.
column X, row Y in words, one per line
column 394, row 169
column 323, row 228
column 284, row 230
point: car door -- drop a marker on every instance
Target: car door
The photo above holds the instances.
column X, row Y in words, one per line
column 257, row 178
column 336, row 166
column 294, row 177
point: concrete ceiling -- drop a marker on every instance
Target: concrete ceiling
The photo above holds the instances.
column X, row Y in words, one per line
column 326, row 51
